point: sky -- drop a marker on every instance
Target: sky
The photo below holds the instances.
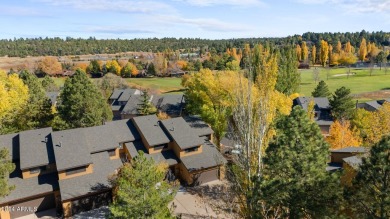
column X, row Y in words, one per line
column 207, row 19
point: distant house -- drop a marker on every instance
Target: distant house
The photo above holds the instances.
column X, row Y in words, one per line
column 372, row 105
column 322, row 114
column 53, row 97
column 349, row 159
column 69, row 170
column 176, row 73
column 126, row 102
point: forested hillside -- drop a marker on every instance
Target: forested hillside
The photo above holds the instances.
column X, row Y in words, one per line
column 71, row 46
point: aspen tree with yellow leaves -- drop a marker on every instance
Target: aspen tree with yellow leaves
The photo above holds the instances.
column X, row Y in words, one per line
column 13, row 96
column 313, row 54
column 298, row 50
column 305, row 52
column 324, row 52
column 363, row 50
column 342, row 135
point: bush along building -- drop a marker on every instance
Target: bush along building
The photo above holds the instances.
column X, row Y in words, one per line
column 70, row 170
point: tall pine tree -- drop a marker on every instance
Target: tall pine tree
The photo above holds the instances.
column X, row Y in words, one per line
column 81, row 103
column 141, row 191
column 295, row 178
column 38, row 112
column 146, row 107
column 369, row 195
column 321, row 90
column 289, row 78
column 341, row 104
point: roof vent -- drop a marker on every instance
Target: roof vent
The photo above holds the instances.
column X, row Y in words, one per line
column 172, row 129
column 60, row 144
column 46, row 139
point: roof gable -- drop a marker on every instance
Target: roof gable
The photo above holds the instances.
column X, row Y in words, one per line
column 181, row 133
column 36, row 148
column 150, row 128
column 71, row 149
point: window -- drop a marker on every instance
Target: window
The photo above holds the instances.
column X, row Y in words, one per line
column 76, row 170
column 161, row 146
column 111, row 153
column 189, row 150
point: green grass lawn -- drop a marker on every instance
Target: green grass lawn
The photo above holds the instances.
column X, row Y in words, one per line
column 360, row 82
column 160, row 84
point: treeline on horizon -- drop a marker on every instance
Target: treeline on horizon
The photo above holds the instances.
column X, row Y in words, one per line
column 23, row 47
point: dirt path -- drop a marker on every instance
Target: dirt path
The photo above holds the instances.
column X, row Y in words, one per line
column 374, row 95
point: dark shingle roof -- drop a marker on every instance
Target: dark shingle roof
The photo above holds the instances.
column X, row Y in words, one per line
column 171, row 104
column 354, row 161
column 103, row 167
column 35, row 148
column 115, row 95
column 123, row 130
column 199, row 126
column 321, row 105
column 351, row 150
column 320, row 102
column 149, row 126
column 11, row 142
column 181, row 133
column 132, row 105
column 52, row 96
column 164, row 156
column 127, row 93
column 30, row 187
column 99, row 138
column 210, row 157
column 71, row 149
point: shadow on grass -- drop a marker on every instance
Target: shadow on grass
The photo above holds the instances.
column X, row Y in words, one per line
column 175, row 91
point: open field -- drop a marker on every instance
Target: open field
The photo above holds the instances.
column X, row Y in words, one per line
column 362, row 85
column 162, row 85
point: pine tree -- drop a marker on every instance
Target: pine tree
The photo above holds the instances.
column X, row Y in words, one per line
column 141, row 191
column 294, row 177
column 81, row 103
column 151, row 70
column 48, row 84
column 341, row 104
column 6, row 167
column 146, row 107
column 321, row 90
column 369, row 195
column 37, row 113
column 289, row 78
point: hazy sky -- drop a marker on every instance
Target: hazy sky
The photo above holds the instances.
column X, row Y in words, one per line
column 214, row 19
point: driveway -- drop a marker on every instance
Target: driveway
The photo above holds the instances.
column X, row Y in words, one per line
column 193, row 203
column 48, row 214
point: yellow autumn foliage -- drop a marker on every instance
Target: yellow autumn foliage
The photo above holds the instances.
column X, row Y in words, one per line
column 13, row 93
column 342, row 135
